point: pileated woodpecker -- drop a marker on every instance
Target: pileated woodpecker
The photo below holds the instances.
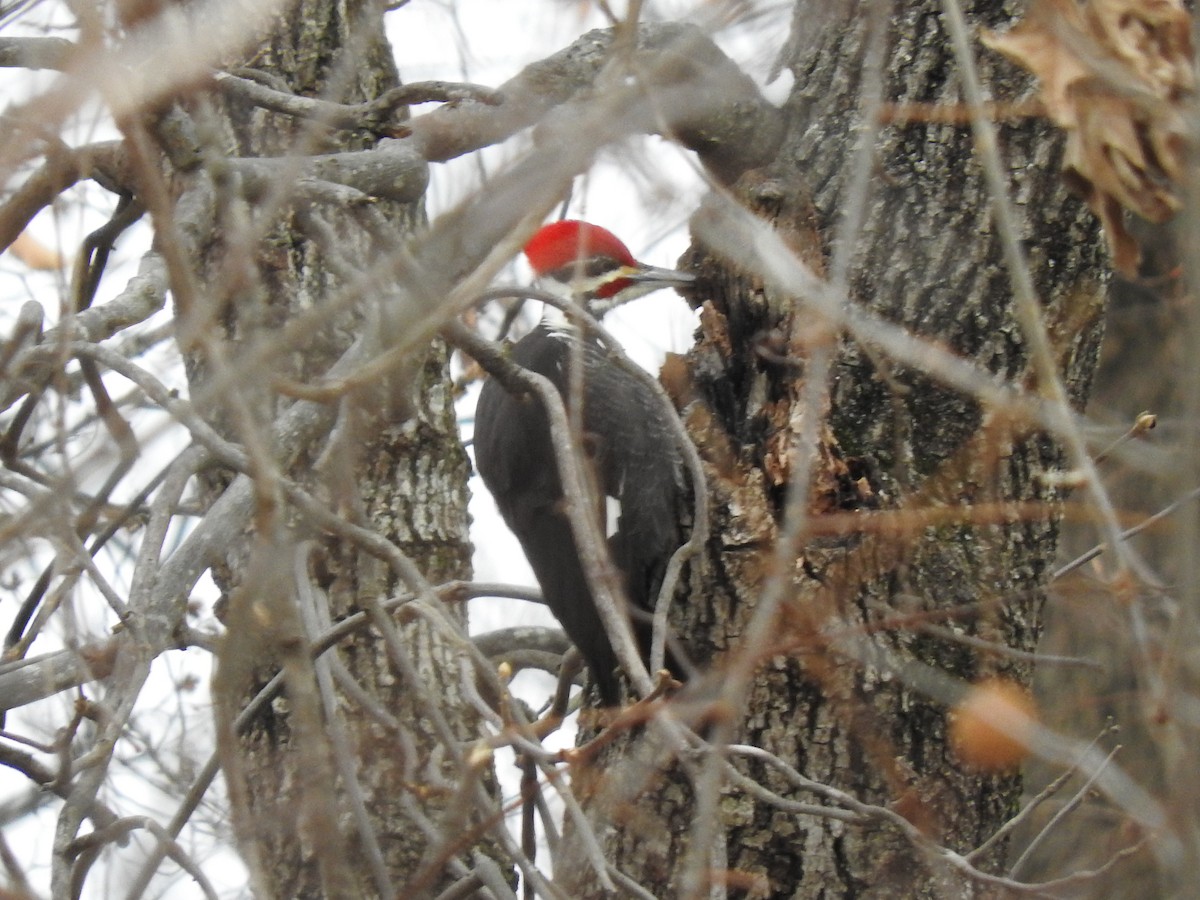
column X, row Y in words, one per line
column 627, row 436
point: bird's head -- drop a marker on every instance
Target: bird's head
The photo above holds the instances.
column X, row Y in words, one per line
column 589, row 264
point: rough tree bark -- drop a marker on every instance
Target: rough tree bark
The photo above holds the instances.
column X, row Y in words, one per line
column 826, row 694
column 393, row 463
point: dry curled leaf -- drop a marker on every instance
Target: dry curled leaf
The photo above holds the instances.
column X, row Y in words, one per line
column 35, row 254
column 1114, row 75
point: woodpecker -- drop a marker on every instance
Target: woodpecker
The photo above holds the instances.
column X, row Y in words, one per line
column 627, row 437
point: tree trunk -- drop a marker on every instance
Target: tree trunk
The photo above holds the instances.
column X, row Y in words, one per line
column 862, row 608
column 332, row 794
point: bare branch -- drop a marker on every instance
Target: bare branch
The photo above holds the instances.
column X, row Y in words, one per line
column 392, row 170
column 63, row 168
column 688, row 84
column 373, row 115
column 35, row 52
column 503, row 641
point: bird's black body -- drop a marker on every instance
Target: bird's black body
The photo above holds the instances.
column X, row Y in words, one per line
column 631, row 449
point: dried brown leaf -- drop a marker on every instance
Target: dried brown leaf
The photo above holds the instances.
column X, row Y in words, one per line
column 1152, row 38
column 1114, row 75
column 1039, row 43
column 35, row 254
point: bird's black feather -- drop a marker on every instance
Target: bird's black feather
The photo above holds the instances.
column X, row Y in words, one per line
column 633, row 457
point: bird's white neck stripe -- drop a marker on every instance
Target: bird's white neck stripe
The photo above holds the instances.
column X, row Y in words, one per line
column 553, row 317
column 555, row 321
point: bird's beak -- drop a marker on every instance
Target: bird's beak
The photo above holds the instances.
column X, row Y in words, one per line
column 659, row 278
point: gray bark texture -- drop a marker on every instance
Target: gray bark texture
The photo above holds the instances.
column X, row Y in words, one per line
column 391, row 463
column 836, row 693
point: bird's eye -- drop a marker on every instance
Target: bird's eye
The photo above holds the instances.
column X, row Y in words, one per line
column 592, row 267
